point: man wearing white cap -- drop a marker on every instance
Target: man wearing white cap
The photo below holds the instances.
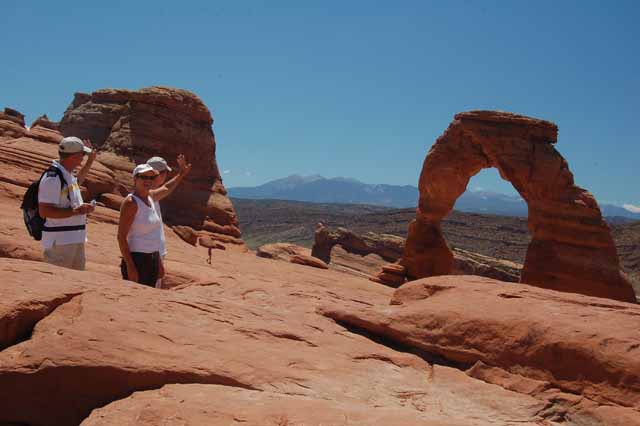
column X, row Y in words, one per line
column 161, row 189
column 60, row 202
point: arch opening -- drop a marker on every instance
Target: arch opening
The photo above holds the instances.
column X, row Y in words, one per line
column 571, row 247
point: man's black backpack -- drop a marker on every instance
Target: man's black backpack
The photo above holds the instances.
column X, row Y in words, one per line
column 32, row 219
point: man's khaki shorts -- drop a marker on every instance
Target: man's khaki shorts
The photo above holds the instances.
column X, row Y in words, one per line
column 66, row 255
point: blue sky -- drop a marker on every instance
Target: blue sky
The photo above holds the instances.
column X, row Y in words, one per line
column 351, row 88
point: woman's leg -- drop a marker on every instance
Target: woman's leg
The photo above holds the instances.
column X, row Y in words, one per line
column 160, row 272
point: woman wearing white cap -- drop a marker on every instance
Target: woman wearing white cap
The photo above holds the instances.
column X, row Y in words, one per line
column 139, row 230
column 161, row 189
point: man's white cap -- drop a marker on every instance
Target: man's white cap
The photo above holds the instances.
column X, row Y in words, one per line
column 72, row 145
column 143, row 168
column 159, row 163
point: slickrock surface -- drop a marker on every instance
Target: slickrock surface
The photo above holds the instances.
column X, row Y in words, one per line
column 131, row 126
column 571, row 248
column 252, row 325
column 192, row 404
column 540, row 338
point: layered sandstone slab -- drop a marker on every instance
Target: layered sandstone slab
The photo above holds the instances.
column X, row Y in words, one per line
column 223, row 405
column 12, row 125
column 24, row 159
column 131, row 126
column 290, row 253
column 571, row 249
column 581, row 345
column 469, row 263
column 87, row 340
column 389, row 247
column 281, row 251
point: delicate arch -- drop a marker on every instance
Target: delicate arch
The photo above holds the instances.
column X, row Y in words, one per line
column 571, row 248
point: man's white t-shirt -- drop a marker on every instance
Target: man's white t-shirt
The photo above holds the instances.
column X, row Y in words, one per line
column 51, row 191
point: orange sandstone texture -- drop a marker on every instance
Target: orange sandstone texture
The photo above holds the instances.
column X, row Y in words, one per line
column 254, row 340
column 23, row 160
column 290, row 253
column 84, row 339
column 571, row 249
column 131, row 126
column 578, row 344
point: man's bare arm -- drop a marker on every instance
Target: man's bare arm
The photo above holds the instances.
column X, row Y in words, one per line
column 84, row 171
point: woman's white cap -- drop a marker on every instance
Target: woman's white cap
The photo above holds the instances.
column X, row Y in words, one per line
column 159, row 163
column 143, row 168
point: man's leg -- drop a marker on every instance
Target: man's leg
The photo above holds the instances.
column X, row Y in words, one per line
column 60, row 255
column 79, row 260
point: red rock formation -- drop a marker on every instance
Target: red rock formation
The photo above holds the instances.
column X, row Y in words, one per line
column 262, row 322
column 131, row 126
column 213, row 240
column 307, row 260
column 13, row 115
column 215, row 405
column 281, row 251
column 389, row 247
column 188, row 235
column 24, row 159
column 12, row 124
column 45, row 130
column 578, row 344
column 43, row 121
column 111, row 201
column 290, row 253
column 571, row 248
column 265, row 337
column 469, row 263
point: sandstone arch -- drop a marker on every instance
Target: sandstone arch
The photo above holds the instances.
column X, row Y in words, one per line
column 571, row 249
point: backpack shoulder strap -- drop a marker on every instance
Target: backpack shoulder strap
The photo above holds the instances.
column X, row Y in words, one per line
column 58, row 173
column 54, row 171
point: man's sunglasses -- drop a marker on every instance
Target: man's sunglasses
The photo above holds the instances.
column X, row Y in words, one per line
column 143, row 177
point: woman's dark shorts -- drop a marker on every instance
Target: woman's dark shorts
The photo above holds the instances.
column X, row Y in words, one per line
column 147, row 264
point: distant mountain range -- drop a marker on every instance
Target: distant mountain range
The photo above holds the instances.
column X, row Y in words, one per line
column 318, row 189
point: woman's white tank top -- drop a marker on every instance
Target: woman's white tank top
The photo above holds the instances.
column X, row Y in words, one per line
column 145, row 234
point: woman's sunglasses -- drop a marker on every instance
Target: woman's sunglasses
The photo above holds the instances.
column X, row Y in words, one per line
column 143, row 177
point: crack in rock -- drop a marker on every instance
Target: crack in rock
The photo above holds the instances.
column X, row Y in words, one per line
column 86, row 388
column 17, row 326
